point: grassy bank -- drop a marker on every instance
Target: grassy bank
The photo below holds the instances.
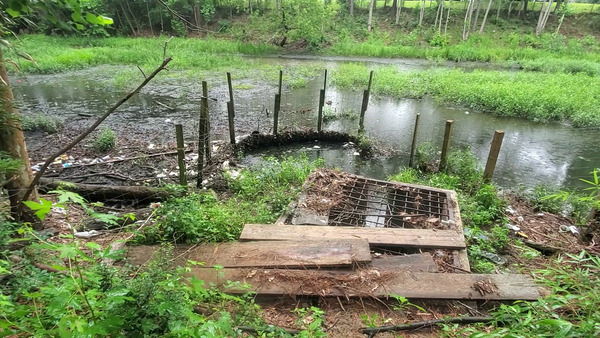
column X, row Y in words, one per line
column 58, row 54
column 534, row 96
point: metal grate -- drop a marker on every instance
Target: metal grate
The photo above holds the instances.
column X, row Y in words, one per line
column 379, row 204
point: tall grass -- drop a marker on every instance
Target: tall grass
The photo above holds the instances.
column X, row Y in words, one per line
column 56, row 54
column 536, row 96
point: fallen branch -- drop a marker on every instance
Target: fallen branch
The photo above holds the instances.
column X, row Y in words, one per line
column 93, row 127
column 126, row 159
column 372, row 331
column 95, row 192
column 270, row 329
column 543, row 248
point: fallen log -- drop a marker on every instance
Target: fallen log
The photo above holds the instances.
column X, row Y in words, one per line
column 96, row 192
column 372, row 331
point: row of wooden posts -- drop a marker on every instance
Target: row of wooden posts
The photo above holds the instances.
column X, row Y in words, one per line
column 204, row 128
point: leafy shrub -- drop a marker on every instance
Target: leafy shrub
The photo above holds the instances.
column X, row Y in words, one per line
column 40, row 122
column 106, row 141
column 439, row 40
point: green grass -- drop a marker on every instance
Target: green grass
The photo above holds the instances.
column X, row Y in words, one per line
column 535, row 96
column 260, row 195
column 58, row 54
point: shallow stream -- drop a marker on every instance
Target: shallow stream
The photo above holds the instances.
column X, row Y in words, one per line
column 532, row 153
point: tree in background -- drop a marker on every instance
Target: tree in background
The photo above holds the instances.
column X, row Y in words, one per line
column 12, row 140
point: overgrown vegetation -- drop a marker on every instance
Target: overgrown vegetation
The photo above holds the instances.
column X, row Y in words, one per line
column 40, row 122
column 534, row 96
column 105, row 141
column 482, row 211
column 260, row 195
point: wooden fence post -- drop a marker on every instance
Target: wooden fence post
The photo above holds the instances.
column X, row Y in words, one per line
column 363, row 109
column 321, row 104
column 206, row 117
column 365, row 104
column 446, row 144
column 180, row 154
column 280, row 82
column 230, row 92
column 230, row 116
column 325, row 81
column 276, row 113
column 413, row 146
column 493, row 156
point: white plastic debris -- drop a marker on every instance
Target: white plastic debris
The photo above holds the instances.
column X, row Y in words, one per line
column 510, row 210
column 225, row 165
column 540, row 214
column 161, row 175
column 467, row 113
column 168, row 121
column 569, row 228
column 356, row 153
column 88, row 234
column 317, row 147
column 151, row 146
column 513, row 227
column 106, row 158
column 520, row 219
column 172, row 173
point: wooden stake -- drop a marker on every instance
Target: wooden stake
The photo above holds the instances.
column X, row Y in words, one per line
column 413, row 146
column 230, row 93
column 280, row 82
column 231, row 125
column 446, row 144
column 276, row 113
column 493, row 156
column 363, row 109
column 325, row 80
column 370, row 82
column 321, row 104
column 206, row 117
column 180, row 154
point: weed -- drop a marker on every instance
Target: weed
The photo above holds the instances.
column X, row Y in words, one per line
column 260, row 196
column 41, row 122
column 105, row 141
column 312, row 319
column 404, row 304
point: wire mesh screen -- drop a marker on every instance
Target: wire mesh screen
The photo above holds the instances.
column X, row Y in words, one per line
column 341, row 199
column 377, row 204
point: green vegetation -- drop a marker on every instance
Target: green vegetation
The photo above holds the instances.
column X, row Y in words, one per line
column 571, row 310
column 260, row 195
column 105, row 141
column 534, row 96
column 482, row 211
column 41, row 122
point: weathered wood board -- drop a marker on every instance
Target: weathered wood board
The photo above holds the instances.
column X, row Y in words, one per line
column 373, row 283
column 422, row 262
column 289, row 254
column 391, row 237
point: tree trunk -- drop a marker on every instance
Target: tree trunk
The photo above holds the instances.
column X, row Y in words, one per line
column 498, row 11
column 467, row 23
column 485, row 17
column 370, row 20
column 446, row 25
column 394, row 6
column 543, row 18
column 524, row 8
column 12, row 142
column 149, row 19
column 476, row 16
column 351, row 4
column 399, row 10
column 558, row 5
column 421, row 12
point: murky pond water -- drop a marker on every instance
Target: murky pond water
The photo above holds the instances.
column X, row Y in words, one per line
column 531, row 153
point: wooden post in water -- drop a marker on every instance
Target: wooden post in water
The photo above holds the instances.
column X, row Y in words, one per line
column 325, row 81
column 230, row 92
column 365, row 104
column 231, row 125
column 446, row 144
column 206, row 118
column 276, row 113
column 363, row 109
column 413, row 146
column 493, row 156
column 320, row 116
column 280, row 82
column 180, row 154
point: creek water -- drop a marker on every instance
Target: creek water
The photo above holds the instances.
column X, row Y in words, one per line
column 531, row 153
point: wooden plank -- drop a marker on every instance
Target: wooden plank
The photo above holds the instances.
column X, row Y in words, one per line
column 372, row 283
column 289, row 254
column 422, row 262
column 390, row 237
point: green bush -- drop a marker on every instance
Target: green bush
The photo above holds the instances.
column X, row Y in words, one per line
column 40, row 122
column 105, row 141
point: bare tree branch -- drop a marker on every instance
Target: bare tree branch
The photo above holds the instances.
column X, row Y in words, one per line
column 93, row 127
